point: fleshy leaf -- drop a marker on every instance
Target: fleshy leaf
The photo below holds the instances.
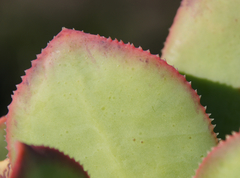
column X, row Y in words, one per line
column 204, row 44
column 223, row 161
column 40, row 161
column 117, row 109
column 222, row 102
column 3, row 143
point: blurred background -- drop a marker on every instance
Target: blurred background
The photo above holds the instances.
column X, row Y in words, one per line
column 26, row 26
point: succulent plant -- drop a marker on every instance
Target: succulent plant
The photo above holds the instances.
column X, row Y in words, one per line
column 114, row 108
column 204, row 45
column 119, row 111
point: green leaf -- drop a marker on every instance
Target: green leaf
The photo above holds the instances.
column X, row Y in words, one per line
column 40, row 161
column 222, row 102
column 204, row 42
column 223, row 161
column 117, row 109
column 3, row 143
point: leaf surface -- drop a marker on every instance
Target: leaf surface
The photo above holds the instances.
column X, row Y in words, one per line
column 223, row 161
column 204, row 44
column 117, row 109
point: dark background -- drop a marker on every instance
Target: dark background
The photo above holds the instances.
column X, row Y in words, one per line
column 26, row 26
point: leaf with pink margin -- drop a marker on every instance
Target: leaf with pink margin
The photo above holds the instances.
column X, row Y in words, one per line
column 119, row 110
column 40, row 161
column 223, row 161
column 204, row 44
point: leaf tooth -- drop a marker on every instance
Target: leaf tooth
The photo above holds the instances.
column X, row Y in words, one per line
column 109, row 39
column 205, row 107
column 200, row 96
column 196, row 90
column 228, row 137
column 157, row 55
column 140, row 47
column 174, row 67
column 6, row 149
column 121, row 42
column 12, row 98
column 132, row 44
column 233, row 132
column 37, row 56
column 148, row 51
column 34, row 61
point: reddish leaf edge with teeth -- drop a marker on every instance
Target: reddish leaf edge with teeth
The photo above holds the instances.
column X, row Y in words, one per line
column 97, row 38
column 221, row 148
column 3, row 120
column 27, row 152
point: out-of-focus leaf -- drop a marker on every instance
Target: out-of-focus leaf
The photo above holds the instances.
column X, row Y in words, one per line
column 204, row 44
column 44, row 162
column 223, row 161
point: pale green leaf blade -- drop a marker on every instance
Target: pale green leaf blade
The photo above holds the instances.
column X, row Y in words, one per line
column 119, row 110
